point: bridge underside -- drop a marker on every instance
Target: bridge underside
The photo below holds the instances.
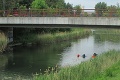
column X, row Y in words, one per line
column 57, row 26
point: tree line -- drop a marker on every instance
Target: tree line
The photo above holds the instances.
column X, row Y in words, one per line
column 102, row 9
column 35, row 4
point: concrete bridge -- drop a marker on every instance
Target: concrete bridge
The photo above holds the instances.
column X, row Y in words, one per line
column 80, row 21
column 82, row 17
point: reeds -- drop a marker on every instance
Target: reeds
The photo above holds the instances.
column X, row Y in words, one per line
column 88, row 70
column 3, row 41
column 63, row 36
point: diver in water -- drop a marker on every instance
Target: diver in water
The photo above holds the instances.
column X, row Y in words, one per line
column 83, row 56
column 94, row 55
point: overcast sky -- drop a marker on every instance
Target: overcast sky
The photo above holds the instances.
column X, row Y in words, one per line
column 90, row 4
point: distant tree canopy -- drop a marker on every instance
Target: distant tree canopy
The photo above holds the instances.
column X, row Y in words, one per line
column 61, row 4
column 77, row 7
column 1, row 5
column 112, row 8
column 51, row 3
column 26, row 3
column 39, row 4
column 101, row 5
column 8, row 4
column 55, row 3
column 100, row 8
column 43, row 4
column 69, row 6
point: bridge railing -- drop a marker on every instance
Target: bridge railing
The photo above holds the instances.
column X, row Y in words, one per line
column 60, row 13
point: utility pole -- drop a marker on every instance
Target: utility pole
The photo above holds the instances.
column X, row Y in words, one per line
column 3, row 7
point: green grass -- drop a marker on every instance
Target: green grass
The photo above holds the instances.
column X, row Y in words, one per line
column 62, row 36
column 112, row 73
column 89, row 70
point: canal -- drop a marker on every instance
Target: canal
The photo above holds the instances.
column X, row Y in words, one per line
column 26, row 61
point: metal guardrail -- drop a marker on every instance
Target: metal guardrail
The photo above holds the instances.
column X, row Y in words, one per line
column 60, row 13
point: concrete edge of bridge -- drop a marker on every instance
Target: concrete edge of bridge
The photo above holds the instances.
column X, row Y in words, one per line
column 58, row 26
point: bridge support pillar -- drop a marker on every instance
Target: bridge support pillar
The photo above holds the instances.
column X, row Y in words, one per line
column 10, row 35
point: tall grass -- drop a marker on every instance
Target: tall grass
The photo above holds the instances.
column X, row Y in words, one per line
column 88, row 70
column 112, row 73
column 3, row 41
column 63, row 36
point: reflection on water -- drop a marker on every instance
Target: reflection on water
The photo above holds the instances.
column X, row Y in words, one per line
column 3, row 61
column 25, row 61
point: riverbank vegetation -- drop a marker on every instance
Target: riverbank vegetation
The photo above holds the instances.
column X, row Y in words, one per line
column 103, row 67
column 3, row 41
column 112, row 35
column 48, row 35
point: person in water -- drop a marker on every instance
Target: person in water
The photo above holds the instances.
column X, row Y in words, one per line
column 83, row 56
column 94, row 55
column 78, row 55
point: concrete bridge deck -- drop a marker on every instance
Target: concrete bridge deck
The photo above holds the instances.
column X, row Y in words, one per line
column 30, row 21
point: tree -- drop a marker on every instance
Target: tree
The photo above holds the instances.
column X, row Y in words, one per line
column 112, row 10
column 55, row 3
column 25, row 3
column 69, row 6
column 51, row 3
column 1, row 5
column 78, row 9
column 10, row 4
column 100, row 8
column 39, row 4
column 118, row 9
column 60, row 4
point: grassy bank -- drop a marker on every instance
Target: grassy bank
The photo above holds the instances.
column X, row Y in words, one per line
column 3, row 41
column 89, row 70
column 112, row 73
column 53, row 37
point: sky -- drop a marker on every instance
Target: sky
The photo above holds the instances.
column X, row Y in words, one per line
column 90, row 4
